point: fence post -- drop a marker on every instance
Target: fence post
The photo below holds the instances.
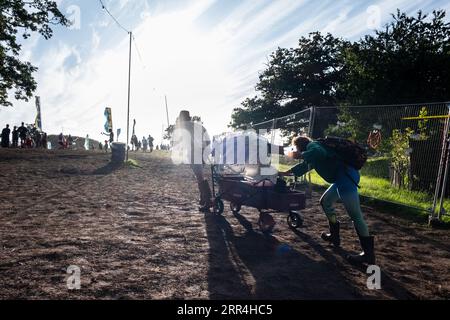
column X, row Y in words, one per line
column 441, row 166
column 312, row 118
column 444, row 184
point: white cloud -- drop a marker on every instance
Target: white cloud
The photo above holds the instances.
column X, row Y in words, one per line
column 206, row 71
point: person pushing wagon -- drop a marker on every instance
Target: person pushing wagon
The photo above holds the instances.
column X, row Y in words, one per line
column 344, row 181
column 190, row 143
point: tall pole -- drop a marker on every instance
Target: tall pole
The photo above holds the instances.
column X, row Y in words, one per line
column 167, row 113
column 441, row 167
column 444, row 183
column 129, row 94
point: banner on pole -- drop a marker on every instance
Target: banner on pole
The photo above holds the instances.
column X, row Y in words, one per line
column 38, row 120
column 134, row 127
column 108, row 116
column 119, row 131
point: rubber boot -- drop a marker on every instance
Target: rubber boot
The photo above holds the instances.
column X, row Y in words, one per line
column 333, row 237
column 368, row 254
column 205, row 196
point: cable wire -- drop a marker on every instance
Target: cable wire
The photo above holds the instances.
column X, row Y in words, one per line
column 126, row 30
column 112, row 17
column 138, row 52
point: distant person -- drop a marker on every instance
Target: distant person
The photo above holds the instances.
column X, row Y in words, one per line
column 37, row 139
column 110, row 134
column 44, row 140
column 87, row 143
column 134, row 142
column 144, row 144
column 150, row 143
column 100, row 146
column 70, row 141
column 5, row 136
column 15, row 137
column 106, row 146
column 192, row 137
column 23, row 131
column 62, row 141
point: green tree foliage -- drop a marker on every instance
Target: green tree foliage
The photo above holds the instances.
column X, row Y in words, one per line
column 19, row 18
column 295, row 79
column 407, row 62
column 399, row 156
column 347, row 126
column 423, row 124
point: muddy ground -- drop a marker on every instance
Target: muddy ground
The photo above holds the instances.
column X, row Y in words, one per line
column 135, row 233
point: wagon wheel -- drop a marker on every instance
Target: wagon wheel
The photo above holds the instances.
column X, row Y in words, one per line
column 218, row 207
column 294, row 220
column 235, row 208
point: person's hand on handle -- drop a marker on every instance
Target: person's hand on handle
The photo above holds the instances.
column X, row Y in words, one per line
column 285, row 174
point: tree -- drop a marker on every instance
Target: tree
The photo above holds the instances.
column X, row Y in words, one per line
column 400, row 157
column 295, row 79
column 21, row 18
column 407, row 62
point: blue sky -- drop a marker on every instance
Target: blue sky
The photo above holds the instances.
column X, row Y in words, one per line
column 204, row 55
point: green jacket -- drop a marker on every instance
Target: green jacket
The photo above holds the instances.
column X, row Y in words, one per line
column 320, row 158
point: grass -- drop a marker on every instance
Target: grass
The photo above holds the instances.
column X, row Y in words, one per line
column 132, row 163
column 381, row 194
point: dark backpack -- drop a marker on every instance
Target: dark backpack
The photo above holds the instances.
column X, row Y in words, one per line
column 349, row 152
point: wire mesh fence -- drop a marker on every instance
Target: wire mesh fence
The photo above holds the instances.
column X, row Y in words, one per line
column 406, row 144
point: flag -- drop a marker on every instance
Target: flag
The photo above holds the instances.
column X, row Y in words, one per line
column 134, row 126
column 108, row 116
column 38, row 121
column 119, row 131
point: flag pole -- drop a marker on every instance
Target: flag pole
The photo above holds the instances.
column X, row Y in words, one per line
column 167, row 112
column 129, row 93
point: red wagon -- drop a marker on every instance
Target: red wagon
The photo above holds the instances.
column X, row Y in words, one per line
column 264, row 196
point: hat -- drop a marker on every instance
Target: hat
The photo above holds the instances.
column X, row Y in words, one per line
column 184, row 116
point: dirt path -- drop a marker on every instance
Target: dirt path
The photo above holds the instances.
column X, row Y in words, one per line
column 136, row 234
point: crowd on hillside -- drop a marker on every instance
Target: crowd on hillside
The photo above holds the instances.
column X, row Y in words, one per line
column 28, row 136
column 23, row 137
column 146, row 144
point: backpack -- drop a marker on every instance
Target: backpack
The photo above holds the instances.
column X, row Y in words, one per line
column 349, row 152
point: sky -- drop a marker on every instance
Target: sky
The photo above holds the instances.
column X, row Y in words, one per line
column 203, row 55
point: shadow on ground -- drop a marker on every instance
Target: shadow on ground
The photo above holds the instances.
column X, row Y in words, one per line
column 258, row 266
column 108, row 169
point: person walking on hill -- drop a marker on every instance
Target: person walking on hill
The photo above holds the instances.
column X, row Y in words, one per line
column 190, row 140
column 5, row 136
column 23, row 131
column 150, row 143
column 15, row 137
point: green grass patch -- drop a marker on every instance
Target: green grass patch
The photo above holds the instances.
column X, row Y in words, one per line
column 376, row 167
column 132, row 163
column 379, row 193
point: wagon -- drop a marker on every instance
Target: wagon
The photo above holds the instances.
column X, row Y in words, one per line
column 263, row 195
